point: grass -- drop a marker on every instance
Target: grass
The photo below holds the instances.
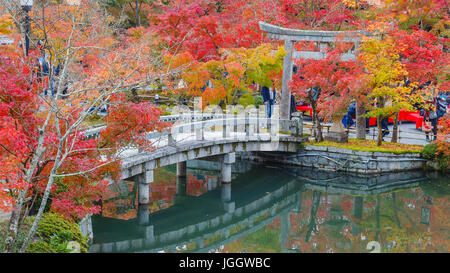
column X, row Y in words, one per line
column 367, row 145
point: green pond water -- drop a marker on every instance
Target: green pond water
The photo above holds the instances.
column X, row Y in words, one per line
column 277, row 209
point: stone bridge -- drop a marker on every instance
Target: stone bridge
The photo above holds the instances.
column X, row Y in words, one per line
column 214, row 136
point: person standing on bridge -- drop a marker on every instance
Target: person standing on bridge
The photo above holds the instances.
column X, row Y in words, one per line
column 268, row 95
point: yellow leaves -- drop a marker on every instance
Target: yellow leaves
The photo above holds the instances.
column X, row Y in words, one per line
column 136, row 32
column 381, row 59
column 384, row 77
column 441, row 28
column 6, row 24
column 402, row 17
column 354, row 4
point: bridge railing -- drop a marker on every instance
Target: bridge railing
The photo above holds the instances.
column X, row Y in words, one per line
column 230, row 126
column 95, row 132
column 206, row 126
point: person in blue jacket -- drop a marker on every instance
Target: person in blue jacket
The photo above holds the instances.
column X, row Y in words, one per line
column 268, row 95
column 347, row 120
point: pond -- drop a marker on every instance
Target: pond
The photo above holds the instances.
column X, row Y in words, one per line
column 276, row 209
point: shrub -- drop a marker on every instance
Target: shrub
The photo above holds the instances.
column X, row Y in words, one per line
column 54, row 232
column 40, row 247
column 429, row 151
column 440, row 159
column 246, row 100
column 258, row 100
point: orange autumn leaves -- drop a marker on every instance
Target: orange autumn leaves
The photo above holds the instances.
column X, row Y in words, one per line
column 229, row 77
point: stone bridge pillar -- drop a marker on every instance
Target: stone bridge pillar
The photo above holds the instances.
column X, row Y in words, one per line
column 182, row 169
column 298, row 200
column 199, row 243
column 143, row 214
column 228, row 160
column 225, row 195
column 225, row 192
column 181, row 182
column 149, row 236
column 212, row 183
column 144, row 181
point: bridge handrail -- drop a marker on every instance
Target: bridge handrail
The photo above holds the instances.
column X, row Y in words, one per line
column 222, row 120
column 95, row 132
column 248, row 124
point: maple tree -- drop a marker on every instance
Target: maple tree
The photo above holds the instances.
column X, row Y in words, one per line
column 232, row 76
column 428, row 15
column 204, row 27
column 327, row 84
column 43, row 140
column 384, row 79
column 422, row 54
column 442, row 139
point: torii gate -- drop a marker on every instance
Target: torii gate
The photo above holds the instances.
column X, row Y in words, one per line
column 291, row 35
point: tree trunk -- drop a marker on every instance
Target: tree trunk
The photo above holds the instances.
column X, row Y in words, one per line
column 138, row 19
column 395, row 130
column 14, row 222
column 317, row 127
column 45, row 197
column 40, row 212
column 360, row 121
column 380, row 131
column 12, row 231
column 380, row 101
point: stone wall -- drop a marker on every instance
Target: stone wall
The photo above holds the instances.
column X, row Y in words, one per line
column 346, row 160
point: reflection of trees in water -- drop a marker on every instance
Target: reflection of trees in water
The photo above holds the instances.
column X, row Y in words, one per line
column 331, row 222
column 348, row 223
column 312, row 218
column 121, row 200
column 265, row 240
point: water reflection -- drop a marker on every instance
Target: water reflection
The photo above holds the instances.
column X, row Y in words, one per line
column 274, row 209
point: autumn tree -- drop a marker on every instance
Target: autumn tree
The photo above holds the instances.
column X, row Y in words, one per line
column 43, row 139
column 328, row 85
column 232, row 76
column 384, row 79
column 427, row 15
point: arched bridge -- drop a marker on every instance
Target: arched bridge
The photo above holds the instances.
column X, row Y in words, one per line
column 205, row 136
